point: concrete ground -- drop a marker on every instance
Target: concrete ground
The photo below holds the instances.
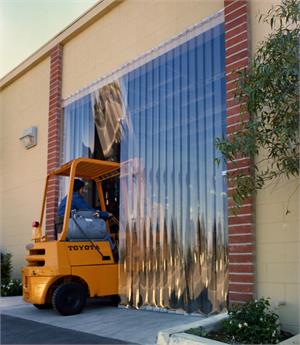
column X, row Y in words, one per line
column 97, row 319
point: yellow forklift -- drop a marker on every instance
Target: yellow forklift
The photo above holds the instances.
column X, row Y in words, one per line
column 63, row 273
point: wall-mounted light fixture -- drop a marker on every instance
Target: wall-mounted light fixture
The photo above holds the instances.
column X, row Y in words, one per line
column 29, row 137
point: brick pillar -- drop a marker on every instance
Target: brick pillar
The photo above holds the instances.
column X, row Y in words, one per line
column 241, row 231
column 54, row 121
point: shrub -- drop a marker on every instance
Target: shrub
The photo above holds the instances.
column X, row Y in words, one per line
column 6, row 267
column 9, row 287
column 252, row 323
column 12, row 288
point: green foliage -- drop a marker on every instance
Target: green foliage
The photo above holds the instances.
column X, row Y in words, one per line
column 6, row 267
column 9, row 287
column 252, row 323
column 269, row 91
column 12, row 288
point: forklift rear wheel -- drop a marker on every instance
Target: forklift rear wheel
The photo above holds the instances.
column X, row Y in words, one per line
column 69, row 299
column 43, row 306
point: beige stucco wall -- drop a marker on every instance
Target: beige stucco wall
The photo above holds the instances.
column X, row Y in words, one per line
column 277, row 233
column 130, row 29
column 23, row 104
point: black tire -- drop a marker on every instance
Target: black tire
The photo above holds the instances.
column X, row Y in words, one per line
column 43, row 306
column 69, row 299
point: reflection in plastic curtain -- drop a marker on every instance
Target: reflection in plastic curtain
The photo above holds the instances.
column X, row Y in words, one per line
column 173, row 240
column 107, row 112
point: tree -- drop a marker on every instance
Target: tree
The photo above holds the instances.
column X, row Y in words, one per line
column 269, row 88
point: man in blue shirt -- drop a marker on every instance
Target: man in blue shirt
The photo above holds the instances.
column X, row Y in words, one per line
column 78, row 202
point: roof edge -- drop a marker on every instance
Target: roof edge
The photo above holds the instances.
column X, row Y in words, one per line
column 73, row 29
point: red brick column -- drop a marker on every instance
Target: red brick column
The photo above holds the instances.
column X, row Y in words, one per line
column 54, row 121
column 241, row 238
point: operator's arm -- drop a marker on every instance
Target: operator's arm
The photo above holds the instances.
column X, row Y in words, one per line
column 80, row 204
column 105, row 215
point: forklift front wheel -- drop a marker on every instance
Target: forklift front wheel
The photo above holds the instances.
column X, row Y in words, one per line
column 69, row 299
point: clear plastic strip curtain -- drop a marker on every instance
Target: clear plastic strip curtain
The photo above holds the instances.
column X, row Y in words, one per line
column 164, row 111
column 78, row 133
column 173, row 241
column 79, row 129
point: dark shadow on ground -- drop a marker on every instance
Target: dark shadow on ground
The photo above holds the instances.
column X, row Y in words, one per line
column 15, row 330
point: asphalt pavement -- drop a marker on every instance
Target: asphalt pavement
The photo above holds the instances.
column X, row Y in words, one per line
column 99, row 323
column 15, row 330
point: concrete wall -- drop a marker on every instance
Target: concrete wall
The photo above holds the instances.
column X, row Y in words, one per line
column 277, row 233
column 23, row 104
column 131, row 28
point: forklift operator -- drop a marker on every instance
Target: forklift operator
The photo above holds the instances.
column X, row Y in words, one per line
column 78, row 203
